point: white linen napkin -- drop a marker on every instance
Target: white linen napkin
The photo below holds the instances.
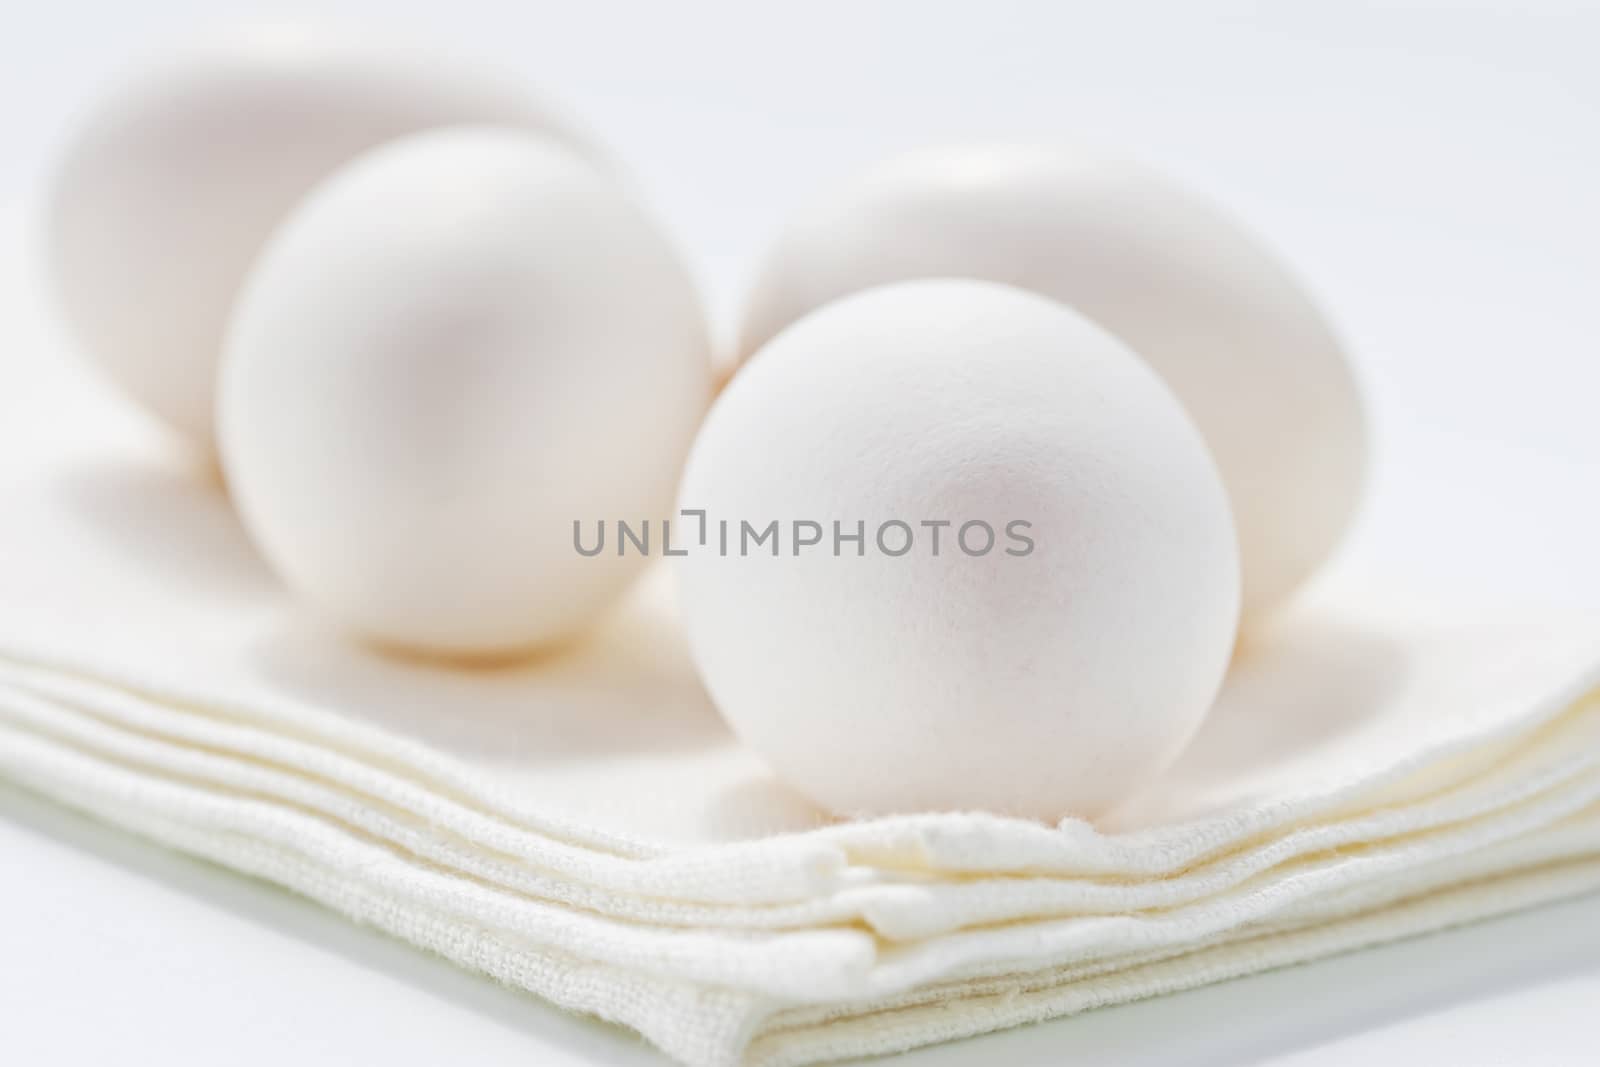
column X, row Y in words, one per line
column 583, row 827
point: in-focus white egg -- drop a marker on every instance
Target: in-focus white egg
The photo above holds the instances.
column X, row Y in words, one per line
column 1180, row 283
column 1044, row 597
column 457, row 347
column 167, row 192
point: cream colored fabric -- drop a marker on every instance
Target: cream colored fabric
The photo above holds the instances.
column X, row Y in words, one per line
column 584, row 828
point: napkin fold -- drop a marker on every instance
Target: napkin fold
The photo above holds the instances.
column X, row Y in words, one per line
column 865, row 937
column 583, row 827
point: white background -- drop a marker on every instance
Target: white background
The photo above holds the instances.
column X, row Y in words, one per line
column 1433, row 172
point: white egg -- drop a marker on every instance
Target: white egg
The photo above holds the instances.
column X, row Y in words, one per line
column 1047, row 650
column 1181, row 284
column 177, row 177
column 456, row 348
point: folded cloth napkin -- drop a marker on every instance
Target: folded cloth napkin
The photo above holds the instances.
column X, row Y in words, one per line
column 582, row 826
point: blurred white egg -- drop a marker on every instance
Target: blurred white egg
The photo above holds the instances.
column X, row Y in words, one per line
column 177, row 177
column 1046, row 650
column 456, row 348
column 1181, row 284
